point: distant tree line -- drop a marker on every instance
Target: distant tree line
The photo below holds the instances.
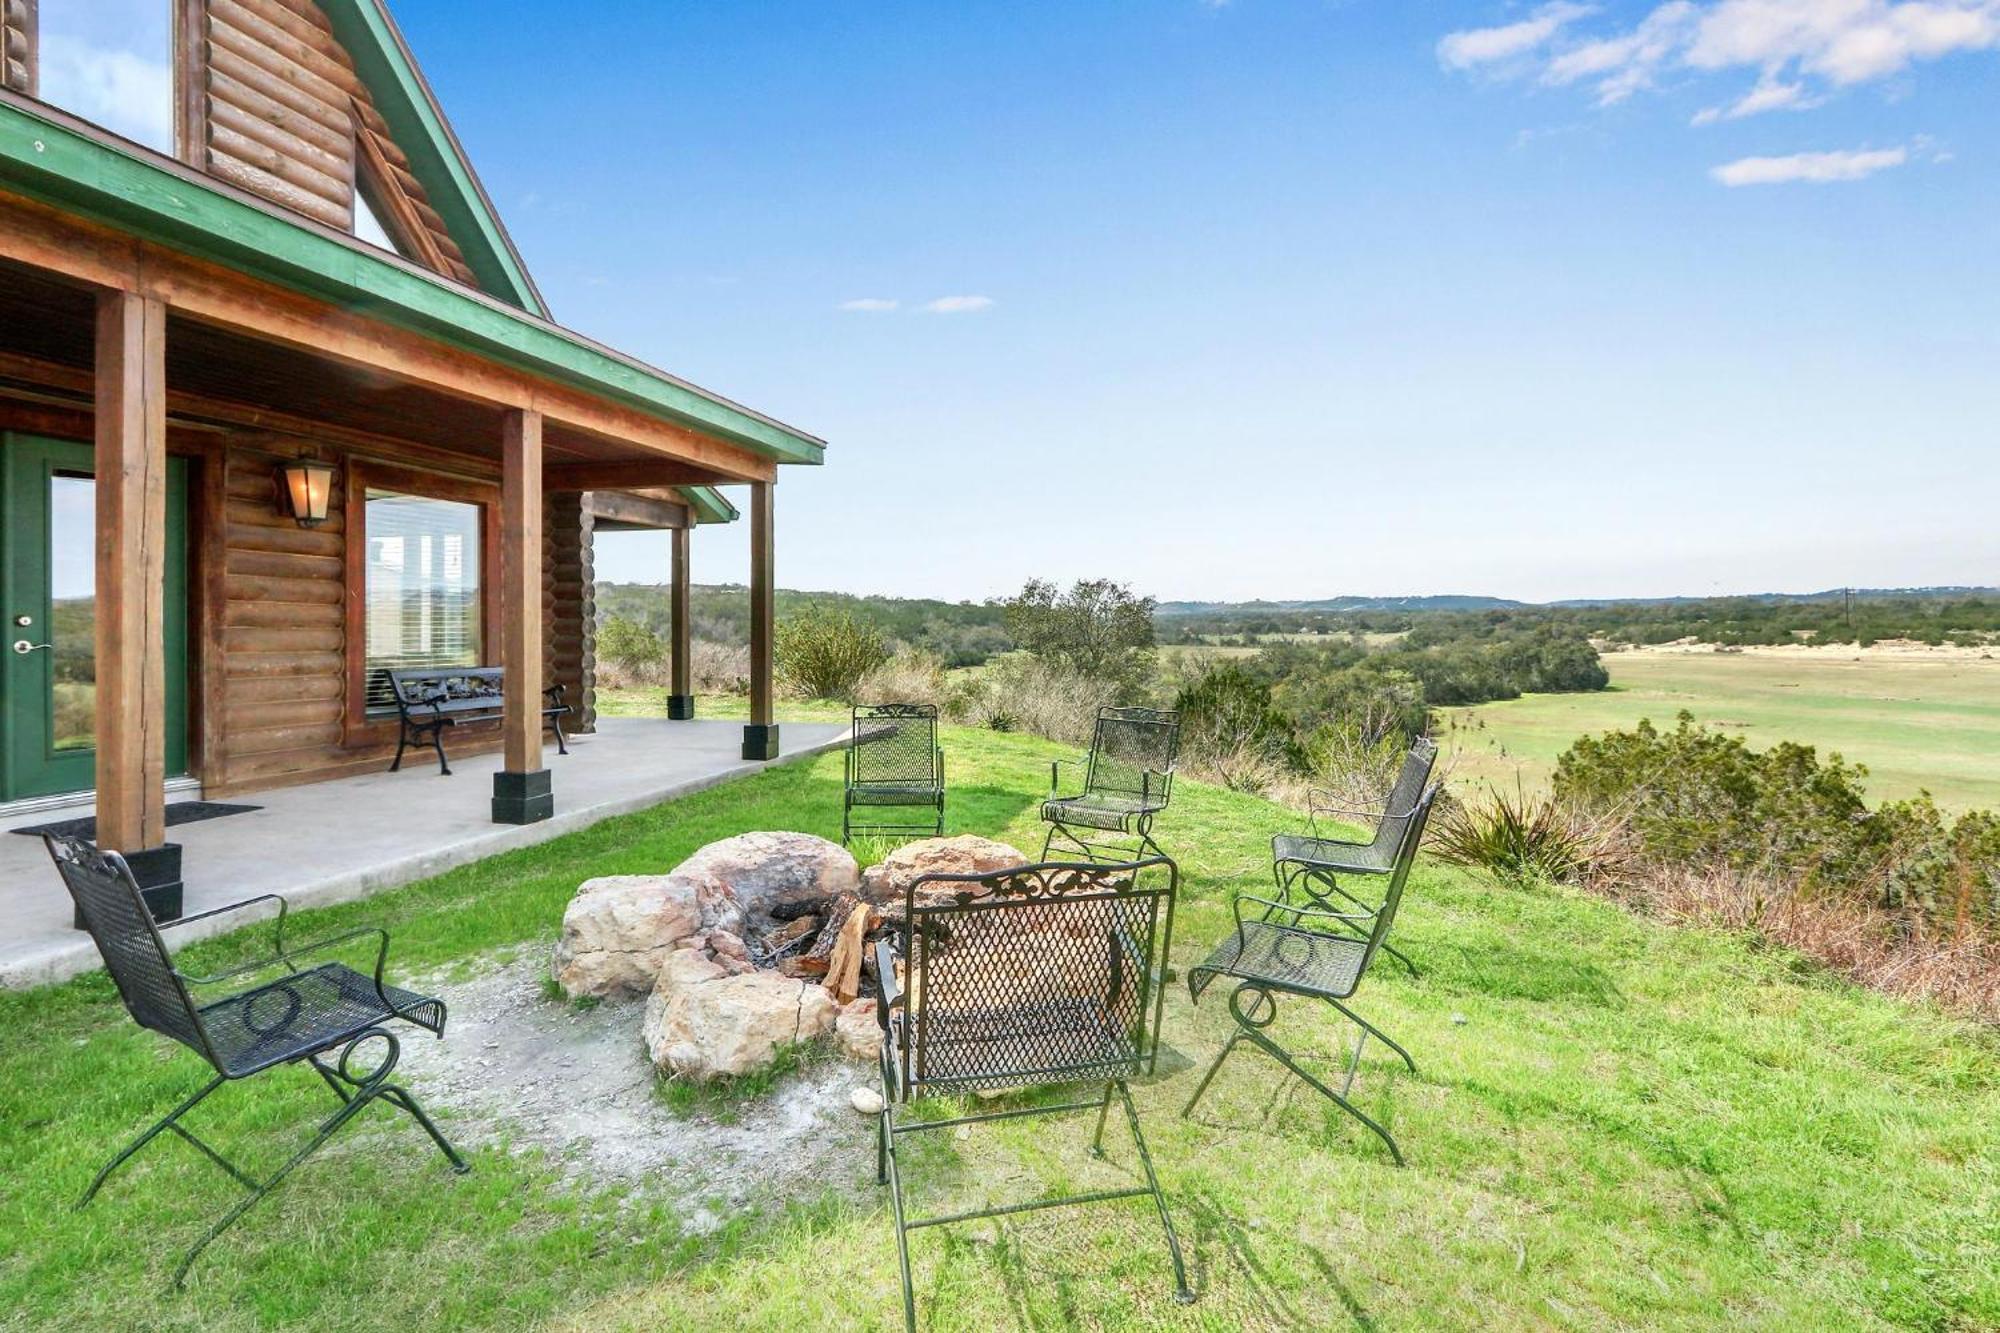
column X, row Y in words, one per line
column 1967, row 618
column 959, row 634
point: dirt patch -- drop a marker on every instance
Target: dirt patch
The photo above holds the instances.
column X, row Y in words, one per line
column 524, row 1072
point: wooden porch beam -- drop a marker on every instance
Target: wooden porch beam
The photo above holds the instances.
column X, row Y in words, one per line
column 623, row 509
column 521, row 790
column 760, row 736
column 623, row 476
column 43, row 238
column 131, row 466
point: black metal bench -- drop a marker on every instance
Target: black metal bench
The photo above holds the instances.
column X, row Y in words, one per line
column 430, row 699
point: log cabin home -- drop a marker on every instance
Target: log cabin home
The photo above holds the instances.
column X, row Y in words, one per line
column 281, row 409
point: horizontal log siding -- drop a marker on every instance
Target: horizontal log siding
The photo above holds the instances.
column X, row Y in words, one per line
column 17, row 47
column 569, row 610
column 280, row 114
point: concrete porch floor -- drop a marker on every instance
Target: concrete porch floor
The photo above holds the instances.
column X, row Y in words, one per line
column 375, row 831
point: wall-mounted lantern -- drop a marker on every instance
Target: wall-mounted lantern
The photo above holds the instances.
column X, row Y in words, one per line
column 304, row 486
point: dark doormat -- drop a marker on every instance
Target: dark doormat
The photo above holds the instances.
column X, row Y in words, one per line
column 180, row 812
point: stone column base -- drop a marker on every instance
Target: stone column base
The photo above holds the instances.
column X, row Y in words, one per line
column 523, row 798
column 158, row 872
column 760, row 741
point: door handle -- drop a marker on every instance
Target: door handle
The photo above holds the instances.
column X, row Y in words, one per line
column 23, row 647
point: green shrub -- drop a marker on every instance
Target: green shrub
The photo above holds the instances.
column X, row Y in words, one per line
column 824, row 654
column 1521, row 839
column 630, row 648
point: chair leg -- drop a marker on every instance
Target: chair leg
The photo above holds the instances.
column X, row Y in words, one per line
column 402, row 744
column 375, row 1086
column 170, row 1121
column 562, row 743
column 888, row 1151
column 1182, row 1293
column 1250, row 1027
column 1370, row 1028
column 437, row 743
column 1214, row 1068
column 1103, row 1112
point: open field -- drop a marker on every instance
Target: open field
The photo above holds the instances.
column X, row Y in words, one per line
column 1917, row 720
column 1616, row 1124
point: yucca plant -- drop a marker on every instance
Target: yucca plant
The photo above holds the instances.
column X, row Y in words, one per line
column 1522, row 839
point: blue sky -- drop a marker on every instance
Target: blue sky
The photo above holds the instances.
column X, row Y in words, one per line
column 1289, row 297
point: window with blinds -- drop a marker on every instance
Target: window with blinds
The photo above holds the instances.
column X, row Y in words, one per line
column 422, row 588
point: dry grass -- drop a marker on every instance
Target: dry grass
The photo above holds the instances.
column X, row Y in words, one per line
column 1893, row 952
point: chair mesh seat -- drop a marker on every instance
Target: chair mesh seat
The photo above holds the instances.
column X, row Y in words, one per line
column 1059, row 1041
column 1098, row 810
column 894, row 793
column 1332, row 854
column 306, row 1012
column 1298, row 959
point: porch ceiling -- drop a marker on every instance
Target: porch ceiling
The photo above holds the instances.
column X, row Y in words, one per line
column 46, row 325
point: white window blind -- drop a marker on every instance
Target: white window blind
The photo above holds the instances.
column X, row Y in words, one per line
column 422, row 588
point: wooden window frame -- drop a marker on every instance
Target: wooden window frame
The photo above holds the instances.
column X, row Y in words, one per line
column 358, row 478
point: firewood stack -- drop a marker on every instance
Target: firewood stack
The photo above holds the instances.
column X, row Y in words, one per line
column 841, row 936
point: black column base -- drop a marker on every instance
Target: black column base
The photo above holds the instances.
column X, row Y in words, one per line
column 680, row 707
column 158, row 872
column 760, row 741
column 523, row 798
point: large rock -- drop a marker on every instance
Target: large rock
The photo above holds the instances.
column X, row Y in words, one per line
column 732, row 1025
column 618, row 930
column 762, row 871
column 967, row 854
column 858, row 1031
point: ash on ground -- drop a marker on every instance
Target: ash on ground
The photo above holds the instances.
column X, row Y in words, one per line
column 526, row 1072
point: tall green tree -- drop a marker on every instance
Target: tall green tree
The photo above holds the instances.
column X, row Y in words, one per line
column 1098, row 628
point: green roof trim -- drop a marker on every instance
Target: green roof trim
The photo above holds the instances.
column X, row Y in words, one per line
column 417, row 122
column 709, row 505
column 50, row 156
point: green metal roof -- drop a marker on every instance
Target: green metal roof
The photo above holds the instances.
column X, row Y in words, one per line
column 51, row 156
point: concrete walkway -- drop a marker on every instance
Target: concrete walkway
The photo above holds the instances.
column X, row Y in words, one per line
column 333, row 841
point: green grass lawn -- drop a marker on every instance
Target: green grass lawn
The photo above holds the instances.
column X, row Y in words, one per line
column 1917, row 723
column 1616, row 1124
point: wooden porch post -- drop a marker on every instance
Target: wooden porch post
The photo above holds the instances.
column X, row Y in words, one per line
column 760, row 737
column 522, row 793
column 130, row 633
column 680, row 701
column 131, row 461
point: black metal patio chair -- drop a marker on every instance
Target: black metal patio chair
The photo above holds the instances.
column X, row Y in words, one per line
column 1032, row 975
column 1128, row 777
column 1313, row 953
column 310, row 1012
column 893, row 762
column 1314, row 863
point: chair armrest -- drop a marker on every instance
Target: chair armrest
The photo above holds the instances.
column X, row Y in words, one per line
column 888, row 994
column 940, row 767
column 277, row 930
column 1149, row 789
column 289, row 957
column 1297, row 914
column 1055, row 773
column 555, row 691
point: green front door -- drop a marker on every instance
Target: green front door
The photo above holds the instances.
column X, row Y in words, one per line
column 48, row 594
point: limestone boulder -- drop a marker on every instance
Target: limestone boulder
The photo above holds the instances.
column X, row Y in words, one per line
column 617, row 931
column 967, row 854
column 857, row 1032
column 753, row 873
column 733, row 1025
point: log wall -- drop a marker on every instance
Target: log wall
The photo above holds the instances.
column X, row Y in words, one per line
column 17, row 45
column 279, row 111
column 569, row 606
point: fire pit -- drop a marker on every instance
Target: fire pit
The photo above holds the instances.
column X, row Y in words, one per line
column 752, row 944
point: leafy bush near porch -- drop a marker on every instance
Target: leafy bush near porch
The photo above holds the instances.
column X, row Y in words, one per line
column 824, row 654
column 1617, row 1124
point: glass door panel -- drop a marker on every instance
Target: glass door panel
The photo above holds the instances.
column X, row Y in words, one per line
column 48, row 594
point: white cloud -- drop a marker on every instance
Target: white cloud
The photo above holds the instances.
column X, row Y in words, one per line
column 121, row 90
column 1768, row 95
column 959, row 305
column 1483, row 46
column 872, row 305
column 1797, row 48
column 1815, row 168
